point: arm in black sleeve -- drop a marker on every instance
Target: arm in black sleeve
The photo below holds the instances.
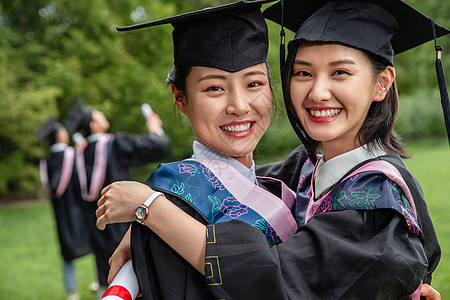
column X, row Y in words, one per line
column 288, row 170
column 162, row 273
column 432, row 247
column 336, row 255
column 143, row 148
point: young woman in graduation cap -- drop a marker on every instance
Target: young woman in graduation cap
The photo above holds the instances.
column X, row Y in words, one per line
column 221, row 82
column 365, row 231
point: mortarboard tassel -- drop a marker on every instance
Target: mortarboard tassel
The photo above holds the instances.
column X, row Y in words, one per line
column 442, row 85
column 283, row 38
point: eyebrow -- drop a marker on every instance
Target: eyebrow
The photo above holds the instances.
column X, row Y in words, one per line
column 212, row 76
column 255, row 73
column 301, row 62
column 342, row 62
column 217, row 76
column 333, row 63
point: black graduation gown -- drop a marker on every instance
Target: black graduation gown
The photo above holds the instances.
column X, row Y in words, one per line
column 69, row 218
column 161, row 272
column 337, row 255
column 123, row 151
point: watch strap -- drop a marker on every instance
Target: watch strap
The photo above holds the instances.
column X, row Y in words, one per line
column 152, row 198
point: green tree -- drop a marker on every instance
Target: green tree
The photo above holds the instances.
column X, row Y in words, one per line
column 52, row 51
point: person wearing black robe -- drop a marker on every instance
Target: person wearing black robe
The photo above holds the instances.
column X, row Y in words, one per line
column 348, row 254
column 161, row 272
column 56, row 171
column 116, row 154
column 348, row 248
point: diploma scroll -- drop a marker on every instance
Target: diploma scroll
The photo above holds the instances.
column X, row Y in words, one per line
column 124, row 286
column 80, row 141
column 147, row 111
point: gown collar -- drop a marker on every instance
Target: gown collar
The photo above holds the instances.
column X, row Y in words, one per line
column 330, row 172
column 58, row 147
column 204, row 152
column 94, row 137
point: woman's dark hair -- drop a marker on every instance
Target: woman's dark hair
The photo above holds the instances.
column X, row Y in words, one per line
column 177, row 76
column 377, row 129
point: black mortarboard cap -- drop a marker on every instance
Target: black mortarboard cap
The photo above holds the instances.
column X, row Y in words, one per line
column 360, row 24
column 78, row 118
column 382, row 27
column 230, row 37
column 48, row 130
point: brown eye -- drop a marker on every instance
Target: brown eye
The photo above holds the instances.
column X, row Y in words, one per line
column 341, row 72
column 302, row 74
column 213, row 89
column 255, row 84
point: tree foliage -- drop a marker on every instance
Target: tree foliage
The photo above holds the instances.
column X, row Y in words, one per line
column 52, row 51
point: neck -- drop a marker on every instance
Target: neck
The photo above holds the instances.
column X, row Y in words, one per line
column 97, row 131
column 246, row 160
column 333, row 149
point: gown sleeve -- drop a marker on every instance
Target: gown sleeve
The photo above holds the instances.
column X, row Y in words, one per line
column 431, row 245
column 162, row 273
column 288, row 170
column 141, row 149
column 337, row 255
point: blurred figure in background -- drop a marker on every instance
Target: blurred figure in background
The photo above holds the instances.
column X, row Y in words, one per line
column 106, row 159
column 56, row 173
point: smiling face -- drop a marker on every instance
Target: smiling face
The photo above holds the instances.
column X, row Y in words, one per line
column 332, row 87
column 228, row 112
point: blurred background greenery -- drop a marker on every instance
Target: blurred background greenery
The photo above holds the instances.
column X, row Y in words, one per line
column 52, row 51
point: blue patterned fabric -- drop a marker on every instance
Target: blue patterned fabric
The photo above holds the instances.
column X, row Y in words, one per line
column 197, row 185
column 367, row 190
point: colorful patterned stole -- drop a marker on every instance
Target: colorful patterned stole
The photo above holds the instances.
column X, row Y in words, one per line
column 376, row 184
column 66, row 173
column 220, row 193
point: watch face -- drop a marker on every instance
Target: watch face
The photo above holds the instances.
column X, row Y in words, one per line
column 141, row 213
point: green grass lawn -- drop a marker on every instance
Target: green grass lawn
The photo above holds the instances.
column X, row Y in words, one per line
column 430, row 162
column 30, row 265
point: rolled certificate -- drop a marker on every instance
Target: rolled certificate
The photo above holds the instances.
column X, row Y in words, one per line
column 147, row 111
column 124, row 286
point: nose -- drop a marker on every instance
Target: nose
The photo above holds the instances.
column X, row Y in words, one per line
column 320, row 90
column 238, row 103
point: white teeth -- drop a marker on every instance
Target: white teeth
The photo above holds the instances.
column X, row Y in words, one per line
column 324, row 113
column 237, row 128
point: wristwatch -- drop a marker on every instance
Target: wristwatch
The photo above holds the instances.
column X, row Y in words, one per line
column 142, row 210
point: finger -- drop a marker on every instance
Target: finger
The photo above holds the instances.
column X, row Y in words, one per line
column 101, row 223
column 114, row 269
column 100, row 211
column 105, row 189
column 429, row 293
column 101, row 201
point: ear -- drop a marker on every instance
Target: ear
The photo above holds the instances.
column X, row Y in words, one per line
column 179, row 99
column 384, row 83
column 92, row 126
